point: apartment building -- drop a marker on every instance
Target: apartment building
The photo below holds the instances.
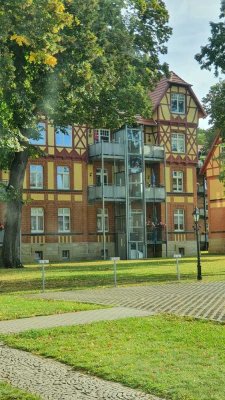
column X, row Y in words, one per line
column 216, row 196
column 128, row 193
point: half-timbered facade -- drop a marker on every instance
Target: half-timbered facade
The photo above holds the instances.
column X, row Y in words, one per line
column 128, row 193
column 216, row 197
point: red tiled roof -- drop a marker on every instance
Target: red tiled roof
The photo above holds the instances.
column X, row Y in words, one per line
column 157, row 94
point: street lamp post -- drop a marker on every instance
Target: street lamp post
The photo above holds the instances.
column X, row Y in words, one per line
column 196, row 228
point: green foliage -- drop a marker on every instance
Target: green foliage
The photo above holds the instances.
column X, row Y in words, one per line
column 14, row 307
column 8, row 392
column 205, row 138
column 78, row 62
column 82, row 275
column 212, row 54
column 173, row 358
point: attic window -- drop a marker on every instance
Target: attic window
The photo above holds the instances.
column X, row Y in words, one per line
column 178, row 103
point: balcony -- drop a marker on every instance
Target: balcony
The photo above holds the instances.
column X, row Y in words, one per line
column 107, row 149
column 118, row 193
column 156, row 235
column 155, row 193
column 154, row 153
column 111, row 193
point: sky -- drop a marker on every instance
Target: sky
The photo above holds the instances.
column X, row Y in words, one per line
column 191, row 30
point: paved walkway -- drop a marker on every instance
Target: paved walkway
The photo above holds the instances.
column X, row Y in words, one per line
column 199, row 299
column 55, row 381
column 52, row 380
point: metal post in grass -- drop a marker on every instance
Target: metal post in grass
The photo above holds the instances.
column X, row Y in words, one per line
column 115, row 259
column 196, row 228
column 43, row 264
column 177, row 256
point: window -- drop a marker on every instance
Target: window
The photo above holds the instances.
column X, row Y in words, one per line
column 100, row 216
column 99, row 177
column 101, row 135
column 177, row 103
column 65, row 254
column 41, row 126
column 38, row 255
column 63, row 178
column 37, row 220
column 179, row 220
column 178, row 181
column 36, row 177
column 63, row 136
column 64, row 220
column 178, row 142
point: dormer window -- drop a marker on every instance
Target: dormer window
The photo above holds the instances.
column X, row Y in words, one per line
column 178, row 103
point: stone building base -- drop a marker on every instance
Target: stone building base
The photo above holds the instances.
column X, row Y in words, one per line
column 186, row 248
column 217, row 246
column 55, row 252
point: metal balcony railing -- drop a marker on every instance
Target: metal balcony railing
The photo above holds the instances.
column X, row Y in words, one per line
column 156, row 235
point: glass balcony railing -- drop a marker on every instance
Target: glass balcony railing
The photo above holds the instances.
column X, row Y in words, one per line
column 111, row 193
column 117, row 150
column 154, row 153
column 155, row 193
column 114, row 192
column 108, row 149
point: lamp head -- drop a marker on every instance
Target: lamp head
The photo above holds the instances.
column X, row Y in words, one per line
column 196, row 214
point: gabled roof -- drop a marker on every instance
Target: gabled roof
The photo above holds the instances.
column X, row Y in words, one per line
column 210, row 153
column 157, row 94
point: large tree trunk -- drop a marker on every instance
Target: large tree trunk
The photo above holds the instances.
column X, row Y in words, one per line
column 12, row 238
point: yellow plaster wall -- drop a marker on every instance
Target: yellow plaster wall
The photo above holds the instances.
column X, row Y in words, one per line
column 64, row 197
column 189, row 180
column 167, row 179
column 177, row 199
column 5, row 175
column 78, row 183
column 78, row 198
column 90, row 175
column 216, row 189
column 218, row 204
column 50, row 175
column 25, row 181
column 38, row 196
column 51, row 135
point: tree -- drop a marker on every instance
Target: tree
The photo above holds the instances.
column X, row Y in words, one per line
column 94, row 60
column 213, row 55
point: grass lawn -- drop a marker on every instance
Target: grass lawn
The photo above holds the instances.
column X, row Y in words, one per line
column 12, row 307
column 7, row 392
column 175, row 358
column 82, row 275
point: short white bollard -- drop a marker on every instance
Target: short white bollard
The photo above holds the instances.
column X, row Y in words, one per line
column 177, row 256
column 43, row 263
column 115, row 259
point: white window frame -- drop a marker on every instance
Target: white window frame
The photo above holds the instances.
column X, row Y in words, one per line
column 101, row 135
column 63, row 220
column 178, row 219
column 36, row 176
column 177, row 103
column 63, row 177
column 99, row 177
column 41, row 141
column 63, row 136
column 100, row 220
column 37, row 219
column 178, row 143
column 178, row 181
